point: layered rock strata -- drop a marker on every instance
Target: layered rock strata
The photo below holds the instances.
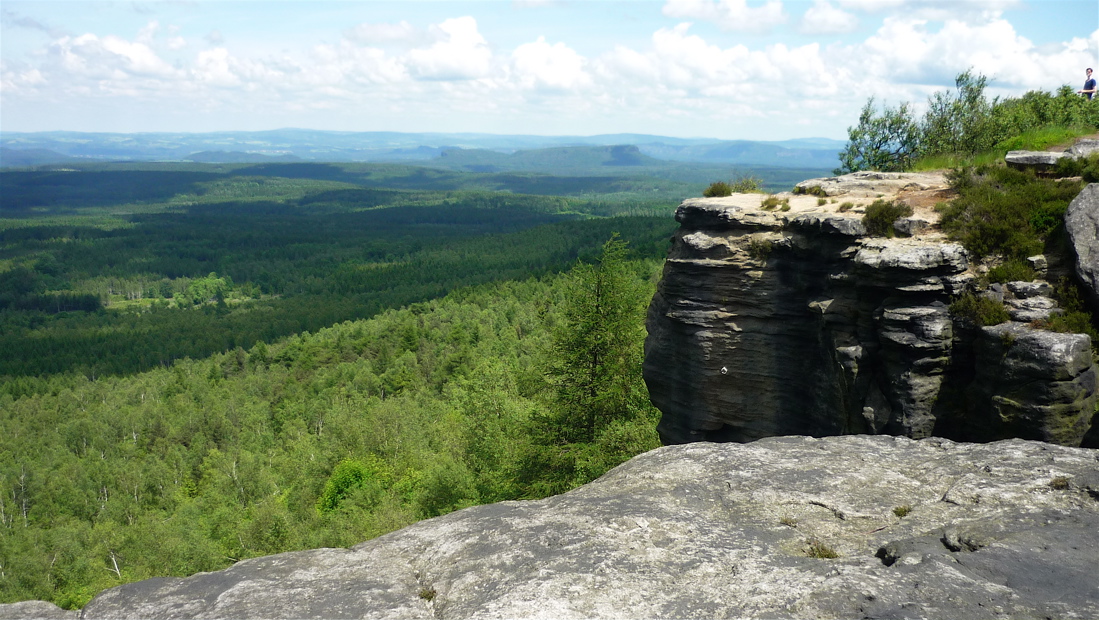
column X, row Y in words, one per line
column 790, row 527
column 772, row 322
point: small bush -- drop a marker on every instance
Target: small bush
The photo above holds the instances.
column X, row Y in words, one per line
column 821, row 202
column 981, row 310
column 845, row 207
column 788, row 521
column 902, row 511
column 770, row 203
column 747, row 185
column 1013, row 270
column 759, row 249
column 1076, row 318
column 718, row 189
column 1060, row 483
column 821, row 551
column 1085, row 167
column 1078, row 322
column 880, row 216
column 428, row 594
column 813, row 190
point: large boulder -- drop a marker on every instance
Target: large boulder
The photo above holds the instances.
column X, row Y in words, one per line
column 786, row 527
column 1033, row 384
column 1082, row 225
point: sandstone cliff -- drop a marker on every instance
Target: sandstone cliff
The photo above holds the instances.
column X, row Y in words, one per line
column 794, row 321
column 789, row 527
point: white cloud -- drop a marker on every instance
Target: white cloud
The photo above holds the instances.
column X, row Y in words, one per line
column 732, row 15
column 146, row 34
column 555, row 67
column 909, row 51
column 402, row 33
column 212, row 67
column 674, row 82
column 935, row 10
column 823, row 18
column 460, row 52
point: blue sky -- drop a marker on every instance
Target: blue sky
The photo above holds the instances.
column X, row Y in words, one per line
column 732, row 69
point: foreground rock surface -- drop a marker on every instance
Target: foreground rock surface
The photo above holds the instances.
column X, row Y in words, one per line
column 783, row 322
column 1002, row 530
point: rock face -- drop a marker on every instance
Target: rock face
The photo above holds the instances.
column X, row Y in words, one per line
column 921, row 529
column 1082, row 225
column 779, row 323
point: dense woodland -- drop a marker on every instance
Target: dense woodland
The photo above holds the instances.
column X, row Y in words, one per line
column 206, row 363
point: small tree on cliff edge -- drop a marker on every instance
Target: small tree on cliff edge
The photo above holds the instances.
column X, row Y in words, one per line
column 887, row 142
column 597, row 368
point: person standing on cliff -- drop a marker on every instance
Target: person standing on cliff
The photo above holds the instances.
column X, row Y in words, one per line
column 1089, row 86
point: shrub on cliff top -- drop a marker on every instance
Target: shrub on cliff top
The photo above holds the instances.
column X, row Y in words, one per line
column 1004, row 211
column 747, row 185
column 981, row 310
column 880, row 215
column 718, row 189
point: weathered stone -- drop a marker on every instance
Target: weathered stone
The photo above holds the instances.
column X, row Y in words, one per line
column 1030, row 309
column 1001, row 530
column 1082, row 225
column 1038, row 263
column 870, row 184
column 1083, row 148
column 1024, row 290
column 1039, row 160
column 36, row 610
column 911, row 226
column 1032, row 384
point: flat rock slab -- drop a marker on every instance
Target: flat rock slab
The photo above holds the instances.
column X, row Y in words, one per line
column 1033, row 159
column 920, row 529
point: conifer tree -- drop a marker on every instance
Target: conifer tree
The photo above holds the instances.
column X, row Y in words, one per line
column 597, row 348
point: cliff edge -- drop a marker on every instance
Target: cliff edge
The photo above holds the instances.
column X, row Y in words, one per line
column 785, row 527
column 790, row 319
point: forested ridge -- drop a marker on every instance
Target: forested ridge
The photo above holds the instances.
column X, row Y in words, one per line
column 200, row 366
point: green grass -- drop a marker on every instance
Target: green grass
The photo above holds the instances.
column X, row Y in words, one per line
column 1034, row 140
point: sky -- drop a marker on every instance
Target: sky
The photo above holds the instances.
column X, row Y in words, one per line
column 728, row 69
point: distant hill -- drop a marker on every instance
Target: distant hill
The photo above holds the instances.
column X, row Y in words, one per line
column 17, row 158
column 558, row 159
column 746, row 152
column 237, row 157
column 347, row 146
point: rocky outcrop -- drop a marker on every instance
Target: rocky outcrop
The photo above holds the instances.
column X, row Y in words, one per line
column 795, row 322
column 1083, row 148
column 1037, row 160
column 1044, row 161
column 1082, row 226
column 787, row 527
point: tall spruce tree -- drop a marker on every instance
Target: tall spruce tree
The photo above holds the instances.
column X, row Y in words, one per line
column 597, row 348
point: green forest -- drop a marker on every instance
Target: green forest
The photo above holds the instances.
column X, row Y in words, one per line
column 204, row 363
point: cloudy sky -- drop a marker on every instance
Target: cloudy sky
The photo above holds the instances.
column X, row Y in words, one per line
column 749, row 69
